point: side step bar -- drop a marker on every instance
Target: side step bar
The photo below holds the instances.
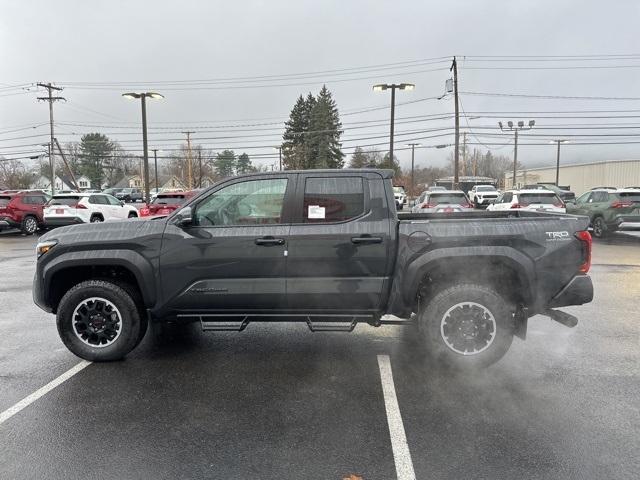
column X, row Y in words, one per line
column 331, row 325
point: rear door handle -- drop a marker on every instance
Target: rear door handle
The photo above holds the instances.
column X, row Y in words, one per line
column 269, row 241
column 365, row 240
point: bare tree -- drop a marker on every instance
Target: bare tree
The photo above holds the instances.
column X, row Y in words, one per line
column 13, row 174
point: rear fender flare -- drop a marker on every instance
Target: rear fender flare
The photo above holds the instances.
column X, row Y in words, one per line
column 523, row 266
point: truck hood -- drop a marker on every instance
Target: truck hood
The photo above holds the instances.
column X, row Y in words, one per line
column 106, row 232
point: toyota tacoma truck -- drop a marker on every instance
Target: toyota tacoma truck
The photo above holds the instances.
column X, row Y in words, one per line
column 324, row 247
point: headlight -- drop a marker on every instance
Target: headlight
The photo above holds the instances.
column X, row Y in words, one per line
column 44, row 247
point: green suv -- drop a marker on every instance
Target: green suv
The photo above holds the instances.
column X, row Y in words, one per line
column 609, row 210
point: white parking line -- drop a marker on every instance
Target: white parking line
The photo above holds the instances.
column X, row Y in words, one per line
column 25, row 402
column 399, row 446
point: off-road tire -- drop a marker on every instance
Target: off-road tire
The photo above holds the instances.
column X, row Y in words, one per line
column 431, row 321
column 130, row 321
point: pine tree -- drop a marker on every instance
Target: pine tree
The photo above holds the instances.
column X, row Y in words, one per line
column 359, row 159
column 225, row 163
column 95, row 148
column 293, row 146
column 243, row 165
column 325, row 129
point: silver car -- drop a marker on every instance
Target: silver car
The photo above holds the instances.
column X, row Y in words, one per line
column 445, row 201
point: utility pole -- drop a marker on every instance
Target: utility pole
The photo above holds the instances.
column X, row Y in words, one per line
column 392, row 87
column 413, row 151
column 50, row 98
column 200, row 168
column 456, row 155
column 464, row 153
column 188, row 134
column 64, row 159
column 155, row 167
column 280, row 157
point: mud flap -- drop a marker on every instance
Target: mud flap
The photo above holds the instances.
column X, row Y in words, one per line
column 520, row 322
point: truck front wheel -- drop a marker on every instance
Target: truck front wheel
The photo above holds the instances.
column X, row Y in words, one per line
column 467, row 325
column 99, row 321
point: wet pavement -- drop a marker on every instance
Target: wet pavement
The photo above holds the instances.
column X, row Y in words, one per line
column 279, row 402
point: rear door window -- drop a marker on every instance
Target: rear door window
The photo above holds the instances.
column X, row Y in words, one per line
column 4, row 201
column 507, row 197
column 333, row 199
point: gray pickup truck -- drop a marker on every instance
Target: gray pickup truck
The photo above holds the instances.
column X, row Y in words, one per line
column 325, row 247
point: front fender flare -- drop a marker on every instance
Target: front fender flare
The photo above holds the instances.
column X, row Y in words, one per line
column 131, row 260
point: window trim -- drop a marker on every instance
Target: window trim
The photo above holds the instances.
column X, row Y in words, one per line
column 286, row 208
column 298, row 218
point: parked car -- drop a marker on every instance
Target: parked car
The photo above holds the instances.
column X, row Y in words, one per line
column 112, row 191
column 447, row 201
column 324, row 247
column 22, row 210
column 130, row 195
column 73, row 208
column 541, row 200
column 401, row 197
column 482, row 195
column 166, row 203
column 608, row 210
column 564, row 194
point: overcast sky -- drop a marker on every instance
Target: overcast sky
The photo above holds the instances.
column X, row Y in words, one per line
column 68, row 42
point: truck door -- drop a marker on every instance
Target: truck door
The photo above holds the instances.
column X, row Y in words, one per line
column 339, row 254
column 232, row 256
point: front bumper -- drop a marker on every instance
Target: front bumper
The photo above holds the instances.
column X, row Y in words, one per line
column 6, row 222
column 577, row 292
column 485, row 201
column 62, row 221
column 38, row 293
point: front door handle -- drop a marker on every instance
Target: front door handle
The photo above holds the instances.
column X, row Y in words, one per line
column 365, row 240
column 269, row 241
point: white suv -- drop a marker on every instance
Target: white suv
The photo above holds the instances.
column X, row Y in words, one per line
column 73, row 208
column 537, row 200
column 482, row 195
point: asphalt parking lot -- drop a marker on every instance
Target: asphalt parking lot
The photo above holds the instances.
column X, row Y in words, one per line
column 279, row 402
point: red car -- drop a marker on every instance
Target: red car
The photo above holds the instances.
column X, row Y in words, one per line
column 166, row 203
column 22, row 210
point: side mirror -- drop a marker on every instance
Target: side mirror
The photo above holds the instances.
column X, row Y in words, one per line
column 184, row 217
column 122, row 203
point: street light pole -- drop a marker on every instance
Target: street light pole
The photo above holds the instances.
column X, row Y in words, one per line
column 143, row 100
column 145, row 153
column 392, row 86
column 516, row 128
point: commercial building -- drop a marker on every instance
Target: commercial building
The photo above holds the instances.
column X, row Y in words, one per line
column 581, row 177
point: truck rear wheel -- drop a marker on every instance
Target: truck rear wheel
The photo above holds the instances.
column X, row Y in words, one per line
column 467, row 326
column 99, row 321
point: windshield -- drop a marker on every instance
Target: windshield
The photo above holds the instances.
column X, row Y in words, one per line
column 66, row 200
column 398, row 190
column 485, row 188
column 168, row 200
column 544, row 198
column 454, row 198
column 630, row 196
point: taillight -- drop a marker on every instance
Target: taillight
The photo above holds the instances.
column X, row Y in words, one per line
column 427, row 205
column 585, row 239
column 621, row 204
column 81, row 206
column 144, row 212
column 516, row 205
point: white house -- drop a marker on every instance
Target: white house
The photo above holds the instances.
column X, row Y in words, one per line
column 44, row 183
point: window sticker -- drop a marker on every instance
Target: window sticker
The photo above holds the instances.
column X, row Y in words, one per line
column 316, row 211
